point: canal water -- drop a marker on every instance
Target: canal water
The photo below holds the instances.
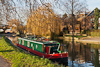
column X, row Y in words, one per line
column 80, row 54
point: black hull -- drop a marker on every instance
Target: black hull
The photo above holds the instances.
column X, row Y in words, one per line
column 61, row 60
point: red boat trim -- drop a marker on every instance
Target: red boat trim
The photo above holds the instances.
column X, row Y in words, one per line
column 49, row 56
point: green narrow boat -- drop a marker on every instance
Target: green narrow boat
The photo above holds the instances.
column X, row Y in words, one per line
column 43, row 48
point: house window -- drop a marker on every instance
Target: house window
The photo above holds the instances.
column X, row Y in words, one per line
column 77, row 28
column 92, row 19
column 99, row 27
column 28, row 43
column 90, row 27
column 99, row 20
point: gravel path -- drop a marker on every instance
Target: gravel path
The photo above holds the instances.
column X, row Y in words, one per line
column 4, row 63
column 93, row 39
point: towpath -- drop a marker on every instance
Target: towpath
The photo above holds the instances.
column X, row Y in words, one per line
column 3, row 62
column 92, row 40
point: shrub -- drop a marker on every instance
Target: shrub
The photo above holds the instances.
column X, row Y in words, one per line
column 88, row 32
column 95, row 33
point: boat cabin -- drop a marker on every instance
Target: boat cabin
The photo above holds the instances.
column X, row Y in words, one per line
column 43, row 46
column 51, row 48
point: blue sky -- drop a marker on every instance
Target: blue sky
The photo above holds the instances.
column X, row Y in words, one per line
column 92, row 4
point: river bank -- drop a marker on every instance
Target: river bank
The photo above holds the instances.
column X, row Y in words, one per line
column 4, row 62
column 68, row 47
column 19, row 58
column 88, row 39
column 91, row 40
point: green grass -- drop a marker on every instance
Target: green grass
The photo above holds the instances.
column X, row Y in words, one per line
column 77, row 36
column 19, row 58
column 95, row 46
column 95, row 34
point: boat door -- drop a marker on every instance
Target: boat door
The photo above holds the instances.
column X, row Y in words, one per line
column 48, row 49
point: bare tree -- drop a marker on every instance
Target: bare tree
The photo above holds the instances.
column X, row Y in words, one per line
column 73, row 7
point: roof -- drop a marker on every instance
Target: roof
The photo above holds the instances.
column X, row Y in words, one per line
column 50, row 42
column 30, row 40
column 39, row 42
column 89, row 14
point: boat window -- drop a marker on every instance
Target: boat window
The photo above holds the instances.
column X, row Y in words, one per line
column 22, row 42
column 31, row 45
column 36, row 46
column 28, row 44
column 19, row 41
column 52, row 48
column 52, row 45
column 56, row 45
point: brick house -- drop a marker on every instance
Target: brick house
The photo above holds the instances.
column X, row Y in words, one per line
column 87, row 21
column 68, row 24
column 84, row 21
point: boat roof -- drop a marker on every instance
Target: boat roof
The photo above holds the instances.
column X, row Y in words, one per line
column 50, row 42
column 40, row 42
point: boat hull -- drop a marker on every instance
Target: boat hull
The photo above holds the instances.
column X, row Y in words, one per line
column 58, row 56
column 63, row 60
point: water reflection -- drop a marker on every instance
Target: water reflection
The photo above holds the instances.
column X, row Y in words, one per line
column 80, row 55
column 13, row 39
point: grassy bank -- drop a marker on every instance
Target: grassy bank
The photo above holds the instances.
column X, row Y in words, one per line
column 95, row 46
column 19, row 58
column 95, row 33
column 77, row 36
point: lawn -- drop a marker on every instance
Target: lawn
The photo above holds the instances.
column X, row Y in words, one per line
column 77, row 36
column 19, row 58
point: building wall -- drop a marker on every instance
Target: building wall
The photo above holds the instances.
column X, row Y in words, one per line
column 87, row 23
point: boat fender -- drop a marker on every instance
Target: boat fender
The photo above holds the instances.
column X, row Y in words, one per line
column 43, row 56
column 28, row 51
column 61, row 55
column 53, row 52
column 65, row 52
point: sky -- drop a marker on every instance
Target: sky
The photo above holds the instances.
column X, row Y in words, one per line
column 92, row 4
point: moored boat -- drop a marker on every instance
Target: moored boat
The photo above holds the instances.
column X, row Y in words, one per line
column 43, row 48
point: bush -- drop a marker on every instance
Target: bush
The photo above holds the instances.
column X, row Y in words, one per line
column 88, row 32
column 53, row 35
column 95, row 33
column 61, row 34
column 66, row 32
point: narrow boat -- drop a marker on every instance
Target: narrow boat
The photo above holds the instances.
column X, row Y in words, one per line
column 43, row 48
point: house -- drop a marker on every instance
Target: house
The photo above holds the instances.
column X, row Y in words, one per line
column 82, row 21
column 87, row 21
